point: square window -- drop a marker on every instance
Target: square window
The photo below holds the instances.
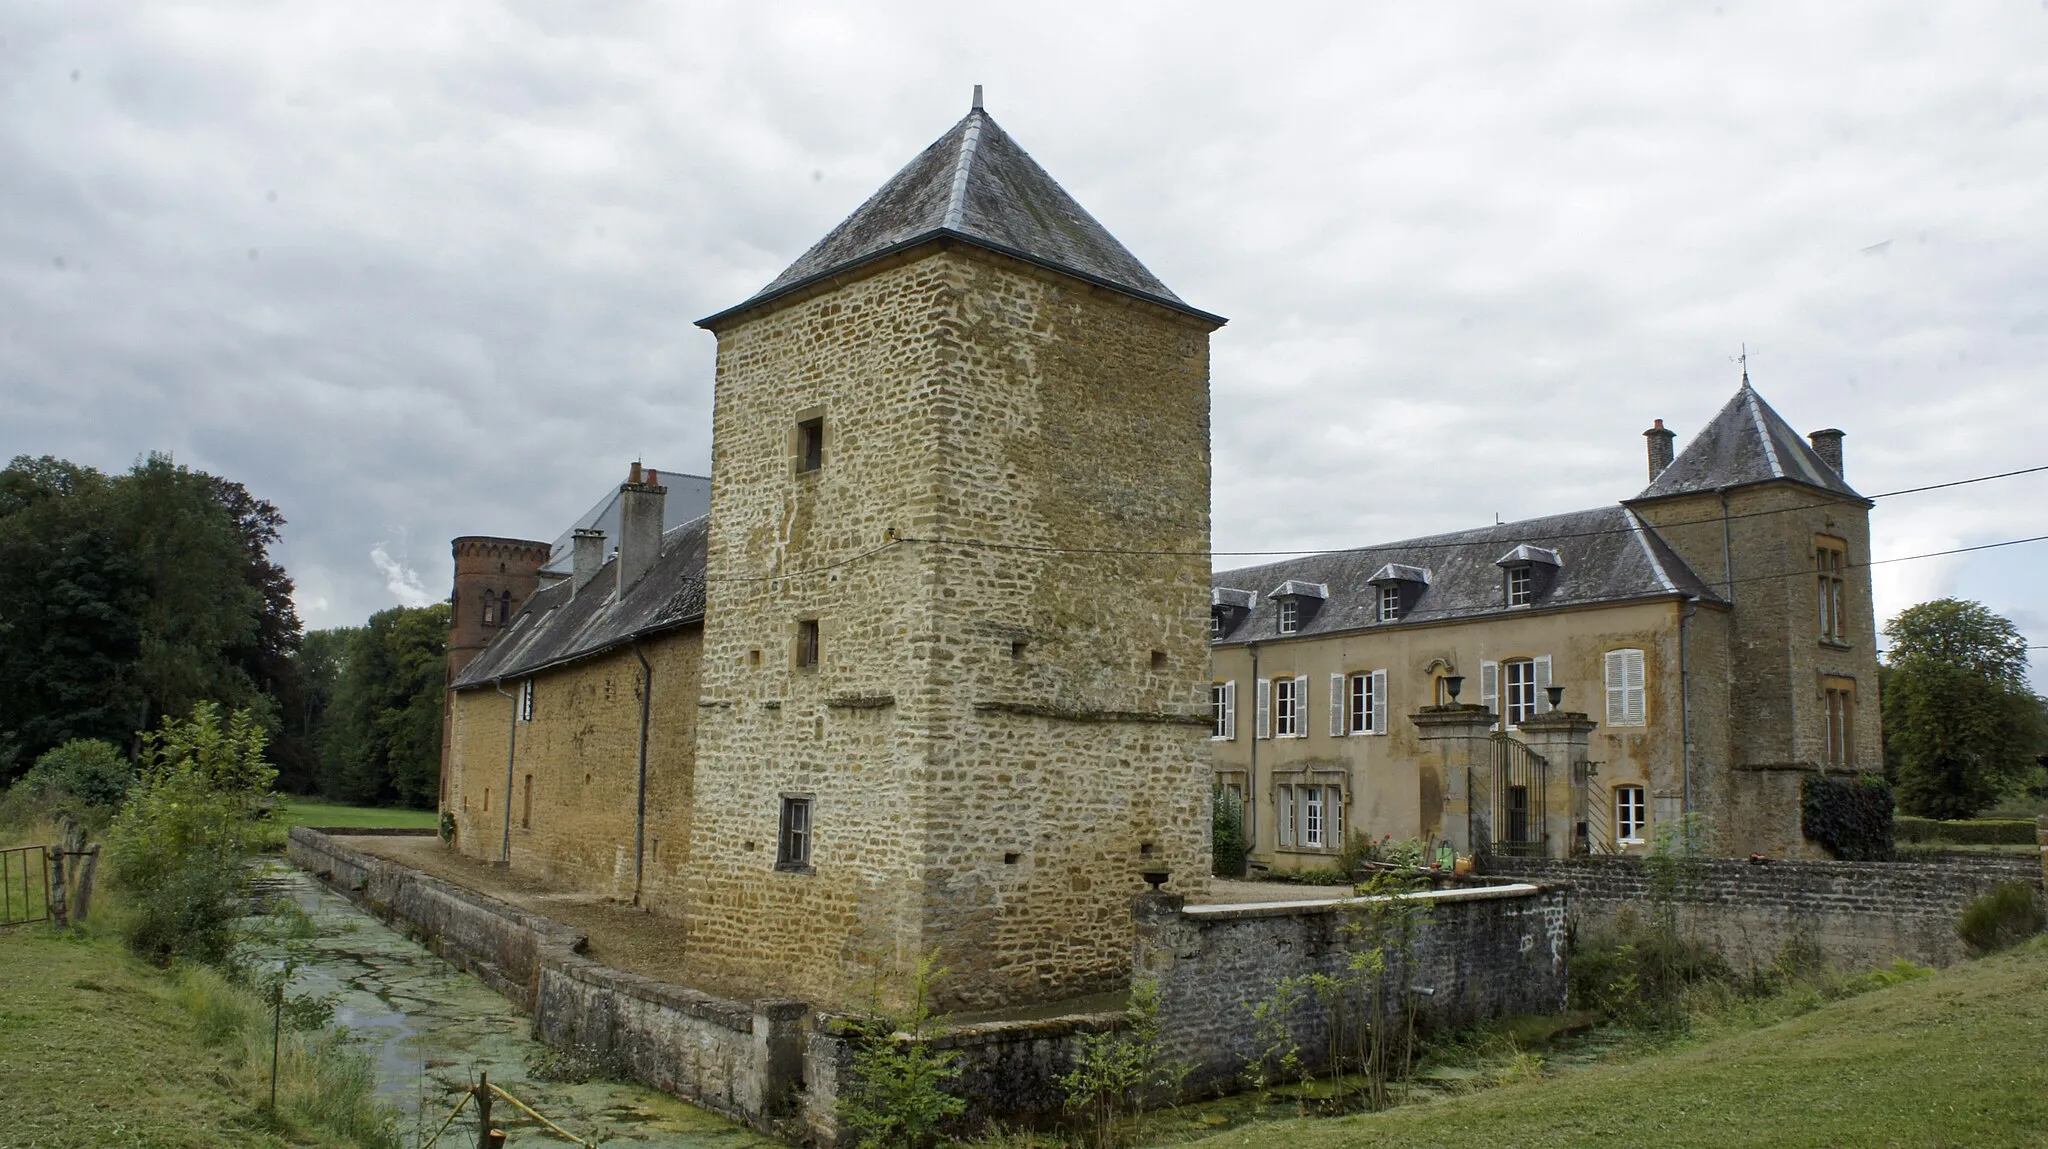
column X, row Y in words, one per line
column 793, row 843
column 1390, row 603
column 1290, row 616
column 810, row 444
column 807, row 644
column 1630, row 815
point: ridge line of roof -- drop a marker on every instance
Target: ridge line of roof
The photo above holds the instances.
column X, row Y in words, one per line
column 1649, row 552
column 970, row 143
column 1395, row 544
column 1763, row 430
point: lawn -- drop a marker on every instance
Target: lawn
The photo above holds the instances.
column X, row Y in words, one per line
column 1959, row 1058
column 306, row 812
column 94, row 1053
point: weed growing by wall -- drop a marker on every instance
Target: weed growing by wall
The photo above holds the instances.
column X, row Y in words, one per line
column 2001, row 919
column 1116, row 1072
column 895, row 1095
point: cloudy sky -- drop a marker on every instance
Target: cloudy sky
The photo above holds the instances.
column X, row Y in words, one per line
column 419, row 270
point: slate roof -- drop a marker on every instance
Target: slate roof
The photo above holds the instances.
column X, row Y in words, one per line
column 1747, row 442
column 1607, row 555
column 975, row 184
column 554, row 627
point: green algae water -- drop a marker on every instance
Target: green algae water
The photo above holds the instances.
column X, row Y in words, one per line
column 431, row 1029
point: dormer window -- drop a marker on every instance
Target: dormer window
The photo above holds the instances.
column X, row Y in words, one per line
column 1528, row 571
column 1228, row 606
column 1390, row 603
column 1397, row 588
column 1297, row 602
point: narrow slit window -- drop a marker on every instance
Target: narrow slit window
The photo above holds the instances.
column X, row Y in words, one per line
column 793, row 844
column 807, row 644
column 810, row 444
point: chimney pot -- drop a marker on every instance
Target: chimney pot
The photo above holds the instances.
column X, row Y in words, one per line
column 1660, row 441
column 1828, row 445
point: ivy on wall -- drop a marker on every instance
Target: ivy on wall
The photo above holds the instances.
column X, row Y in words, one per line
column 1851, row 820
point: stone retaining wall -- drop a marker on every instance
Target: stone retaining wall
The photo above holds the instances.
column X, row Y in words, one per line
column 1473, row 955
column 1857, row 913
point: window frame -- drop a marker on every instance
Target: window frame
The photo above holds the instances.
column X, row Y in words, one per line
column 1528, row 707
column 1288, row 716
column 526, row 700
column 796, row 834
column 1521, row 585
column 1223, row 711
column 1631, row 813
column 1313, row 833
column 1365, row 707
column 1289, row 616
column 809, row 448
column 809, row 645
column 1831, row 564
column 1838, row 722
column 1283, row 815
column 1390, row 603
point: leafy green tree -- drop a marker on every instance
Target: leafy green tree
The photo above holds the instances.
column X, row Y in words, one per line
column 1961, row 727
column 380, row 733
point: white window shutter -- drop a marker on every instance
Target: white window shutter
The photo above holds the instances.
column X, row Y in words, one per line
column 1489, row 687
column 1632, row 687
column 1379, row 702
column 1614, row 672
column 1263, row 724
column 1336, row 706
column 1301, row 706
column 1542, row 683
column 1230, row 711
column 1333, row 816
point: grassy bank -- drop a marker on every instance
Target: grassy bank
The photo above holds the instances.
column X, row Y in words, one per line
column 306, row 812
column 1951, row 1059
column 98, row 1049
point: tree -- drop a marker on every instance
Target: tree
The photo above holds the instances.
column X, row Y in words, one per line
column 1961, row 727
column 379, row 734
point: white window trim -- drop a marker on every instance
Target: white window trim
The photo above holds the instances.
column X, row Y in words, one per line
column 526, row 700
column 1296, row 718
column 1229, row 711
column 1641, row 809
column 1390, row 604
column 1290, row 616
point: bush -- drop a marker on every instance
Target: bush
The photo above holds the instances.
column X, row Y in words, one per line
column 894, row 1096
column 93, row 775
column 2005, row 917
column 1965, row 832
column 1226, row 833
column 179, row 848
column 1851, row 820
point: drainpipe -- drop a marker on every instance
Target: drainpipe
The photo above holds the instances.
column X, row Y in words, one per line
column 640, row 802
column 511, row 745
column 1251, row 832
column 1727, row 549
column 1685, row 694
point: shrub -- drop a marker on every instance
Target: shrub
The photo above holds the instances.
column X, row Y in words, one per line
column 1851, row 820
column 85, row 778
column 1965, row 832
column 2008, row 915
column 1115, row 1072
column 180, row 846
column 895, row 1096
column 1226, row 833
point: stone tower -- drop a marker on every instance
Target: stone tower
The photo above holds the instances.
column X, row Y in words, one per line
column 955, row 646
column 1783, row 678
column 493, row 579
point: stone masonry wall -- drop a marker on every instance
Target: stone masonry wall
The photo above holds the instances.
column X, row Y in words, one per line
column 996, row 740
column 576, row 771
column 1476, row 954
column 1859, row 913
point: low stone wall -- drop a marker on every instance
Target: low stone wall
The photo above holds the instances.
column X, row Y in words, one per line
column 1858, row 913
column 1471, row 955
column 772, row 1063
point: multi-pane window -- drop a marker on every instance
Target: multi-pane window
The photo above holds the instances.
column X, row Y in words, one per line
column 1223, row 710
column 1518, row 678
column 1390, row 603
column 1630, row 814
column 1831, row 561
column 1290, row 616
column 1839, row 700
column 793, row 844
column 1521, row 586
column 1368, row 703
column 526, row 701
column 1625, row 694
column 1312, row 817
column 807, row 643
column 1287, row 708
column 1309, row 817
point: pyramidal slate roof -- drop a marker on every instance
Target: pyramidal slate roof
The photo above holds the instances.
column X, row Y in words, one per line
column 1747, row 442
column 976, row 185
column 1604, row 555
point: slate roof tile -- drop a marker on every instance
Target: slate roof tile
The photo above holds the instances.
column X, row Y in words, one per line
column 1746, row 442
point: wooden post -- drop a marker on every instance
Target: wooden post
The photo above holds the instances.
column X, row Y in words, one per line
column 82, row 902
column 483, row 1111
column 56, row 906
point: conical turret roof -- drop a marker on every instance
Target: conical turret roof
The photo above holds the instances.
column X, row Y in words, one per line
column 976, row 185
column 1747, row 442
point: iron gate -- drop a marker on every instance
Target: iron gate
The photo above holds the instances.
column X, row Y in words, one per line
column 1519, row 828
column 24, row 885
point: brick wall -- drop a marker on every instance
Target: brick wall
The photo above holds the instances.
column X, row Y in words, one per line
column 1477, row 954
column 1858, row 913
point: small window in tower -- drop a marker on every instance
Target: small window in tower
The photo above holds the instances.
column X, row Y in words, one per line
column 504, row 607
column 810, row 444
column 793, row 845
column 807, row 644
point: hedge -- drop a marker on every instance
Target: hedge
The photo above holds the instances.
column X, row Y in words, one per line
column 1987, row 832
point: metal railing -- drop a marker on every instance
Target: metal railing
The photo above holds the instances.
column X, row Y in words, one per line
column 1519, row 799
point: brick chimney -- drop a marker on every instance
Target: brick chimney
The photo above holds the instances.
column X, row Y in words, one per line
column 586, row 559
column 641, row 503
column 1660, row 448
column 1828, row 445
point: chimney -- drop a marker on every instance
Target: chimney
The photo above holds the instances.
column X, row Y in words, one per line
column 1660, row 448
column 1828, row 445
column 586, row 559
column 641, row 499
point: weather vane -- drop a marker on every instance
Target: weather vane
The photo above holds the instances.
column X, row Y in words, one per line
column 1744, row 360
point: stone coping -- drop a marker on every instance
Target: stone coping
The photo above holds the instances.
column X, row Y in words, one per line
column 1329, row 905
column 373, row 831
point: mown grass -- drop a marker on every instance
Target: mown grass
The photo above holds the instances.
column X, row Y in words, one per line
column 98, row 1049
column 306, row 812
column 1950, row 1059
